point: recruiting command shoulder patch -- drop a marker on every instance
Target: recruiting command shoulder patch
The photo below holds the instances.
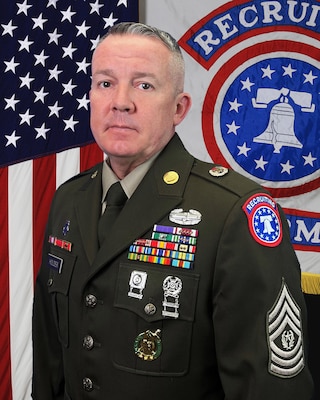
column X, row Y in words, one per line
column 263, row 219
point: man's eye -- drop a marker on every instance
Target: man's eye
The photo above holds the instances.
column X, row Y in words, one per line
column 105, row 84
column 145, row 86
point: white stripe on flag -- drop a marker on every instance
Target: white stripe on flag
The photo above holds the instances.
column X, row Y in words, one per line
column 68, row 165
column 20, row 277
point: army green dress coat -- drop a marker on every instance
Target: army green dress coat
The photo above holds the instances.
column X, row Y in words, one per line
column 195, row 295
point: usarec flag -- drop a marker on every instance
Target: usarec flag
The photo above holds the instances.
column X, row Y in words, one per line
column 253, row 70
column 46, row 48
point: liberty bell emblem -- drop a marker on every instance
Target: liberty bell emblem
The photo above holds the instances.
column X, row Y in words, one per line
column 280, row 129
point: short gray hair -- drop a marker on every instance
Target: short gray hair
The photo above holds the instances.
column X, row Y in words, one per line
column 137, row 28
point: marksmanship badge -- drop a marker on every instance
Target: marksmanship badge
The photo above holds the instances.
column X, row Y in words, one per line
column 172, row 286
column 286, row 354
column 137, row 283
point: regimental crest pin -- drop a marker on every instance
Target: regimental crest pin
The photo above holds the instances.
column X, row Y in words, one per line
column 284, row 327
column 218, row 171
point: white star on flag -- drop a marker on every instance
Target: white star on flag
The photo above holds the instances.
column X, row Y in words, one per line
column 46, row 49
column 12, row 139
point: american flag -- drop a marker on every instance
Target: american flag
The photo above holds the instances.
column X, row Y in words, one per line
column 46, row 48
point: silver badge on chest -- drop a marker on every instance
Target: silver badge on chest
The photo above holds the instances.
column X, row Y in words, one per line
column 172, row 286
column 137, row 284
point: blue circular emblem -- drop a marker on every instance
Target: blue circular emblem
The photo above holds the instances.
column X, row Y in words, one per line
column 265, row 124
column 263, row 219
column 264, row 116
column 265, row 225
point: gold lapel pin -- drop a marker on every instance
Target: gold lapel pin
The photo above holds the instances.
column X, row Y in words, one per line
column 171, row 177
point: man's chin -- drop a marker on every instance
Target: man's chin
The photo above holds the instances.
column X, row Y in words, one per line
column 122, row 154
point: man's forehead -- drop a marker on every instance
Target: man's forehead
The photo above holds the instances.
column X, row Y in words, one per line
column 117, row 49
column 134, row 40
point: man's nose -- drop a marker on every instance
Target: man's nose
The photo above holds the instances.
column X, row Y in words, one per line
column 122, row 99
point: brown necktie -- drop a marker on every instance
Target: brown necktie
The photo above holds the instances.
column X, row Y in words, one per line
column 115, row 200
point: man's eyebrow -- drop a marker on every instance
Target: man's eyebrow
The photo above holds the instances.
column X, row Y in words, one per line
column 137, row 74
column 143, row 74
column 103, row 72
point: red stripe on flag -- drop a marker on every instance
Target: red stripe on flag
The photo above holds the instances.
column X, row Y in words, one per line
column 44, row 186
column 89, row 156
column 5, row 363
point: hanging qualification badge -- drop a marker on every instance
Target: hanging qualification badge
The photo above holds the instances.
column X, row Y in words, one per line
column 172, row 287
column 137, row 283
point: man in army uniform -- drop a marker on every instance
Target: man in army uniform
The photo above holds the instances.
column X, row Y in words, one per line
column 185, row 286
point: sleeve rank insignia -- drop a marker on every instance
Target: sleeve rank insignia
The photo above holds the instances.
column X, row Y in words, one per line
column 286, row 353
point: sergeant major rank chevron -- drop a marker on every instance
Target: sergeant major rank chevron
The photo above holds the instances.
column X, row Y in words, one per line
column 286, row 353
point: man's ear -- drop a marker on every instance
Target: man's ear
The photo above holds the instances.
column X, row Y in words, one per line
column 183, row 105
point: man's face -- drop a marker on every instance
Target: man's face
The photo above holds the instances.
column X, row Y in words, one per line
column 134, row 103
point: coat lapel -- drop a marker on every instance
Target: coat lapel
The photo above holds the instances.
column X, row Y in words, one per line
column 152, row 201
column 88, row 210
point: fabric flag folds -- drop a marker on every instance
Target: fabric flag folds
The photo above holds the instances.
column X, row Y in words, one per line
column 46, row 49
column 252, row 68
column 254, row 74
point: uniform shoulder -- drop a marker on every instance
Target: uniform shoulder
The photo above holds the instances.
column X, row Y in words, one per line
column 227, row 179
column 82, row 178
